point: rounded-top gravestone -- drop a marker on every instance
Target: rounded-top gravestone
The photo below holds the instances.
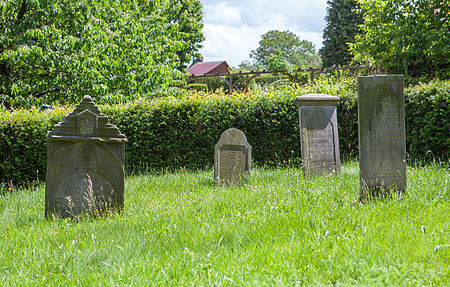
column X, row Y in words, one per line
column 85, row 163
column 232, row 157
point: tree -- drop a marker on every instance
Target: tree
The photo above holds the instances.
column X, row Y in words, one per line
column 342, row 26
column 283, row 50
column 278, row 61
column 247, row 66
column 65, row 49
column 188, row 15
column 406, row 36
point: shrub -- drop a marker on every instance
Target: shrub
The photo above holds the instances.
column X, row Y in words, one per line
column 169, row 133
column 23, row 145
column 198, row 87
column 239, row 81
column 213, row 83
column 268, row 79
column 428, row 120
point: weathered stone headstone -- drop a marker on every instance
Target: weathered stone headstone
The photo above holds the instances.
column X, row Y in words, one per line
column 319, row 134
column 382, row 141
column 232, row 157
column 85, row 163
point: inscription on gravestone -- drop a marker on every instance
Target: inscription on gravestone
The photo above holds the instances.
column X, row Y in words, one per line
column 382, row 140
column 85, row 163
column 232, row 157
column 318, row 133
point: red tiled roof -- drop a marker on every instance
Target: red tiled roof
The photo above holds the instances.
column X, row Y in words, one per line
column 202, row 68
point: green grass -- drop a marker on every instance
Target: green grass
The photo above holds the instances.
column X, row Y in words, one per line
column 279, row 229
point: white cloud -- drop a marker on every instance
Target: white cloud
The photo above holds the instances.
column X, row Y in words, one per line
column 234, row 28
column 223, row 14
column 230, row 43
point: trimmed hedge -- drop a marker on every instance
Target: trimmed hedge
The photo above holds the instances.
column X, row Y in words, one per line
column 428, row 121
column 23, row 148
column 171, row 133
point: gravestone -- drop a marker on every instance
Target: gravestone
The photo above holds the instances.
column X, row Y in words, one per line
column 319, row 134
column 232, row 157
column 382, row 142
column 85, row 163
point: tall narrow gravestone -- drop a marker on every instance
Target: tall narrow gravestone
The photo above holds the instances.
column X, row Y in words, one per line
column 85, row 163
column 232, row 157
column 319, row 134
column 382, row 142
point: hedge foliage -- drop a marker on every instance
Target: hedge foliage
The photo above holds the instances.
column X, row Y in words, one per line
column 171, row 133
column 428, row 120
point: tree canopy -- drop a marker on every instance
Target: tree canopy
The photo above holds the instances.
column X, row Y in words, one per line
column 342, row 25
column 284, row 50
column 66, row 49
column 406, row 36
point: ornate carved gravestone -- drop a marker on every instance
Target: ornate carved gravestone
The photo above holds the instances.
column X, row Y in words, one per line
column 85, row 163
column 382, row 141
column 232, row 157
column 318, row 133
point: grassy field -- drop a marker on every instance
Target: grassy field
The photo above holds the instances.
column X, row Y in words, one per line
column 279, row 229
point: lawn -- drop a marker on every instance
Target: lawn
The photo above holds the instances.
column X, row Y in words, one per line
column 280, row 228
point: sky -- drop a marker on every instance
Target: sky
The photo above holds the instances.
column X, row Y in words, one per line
column 233, row 28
